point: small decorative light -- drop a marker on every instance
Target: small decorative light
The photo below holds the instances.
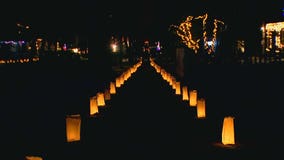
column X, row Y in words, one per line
column 73, row 128
column 184, row 93
column 33, row 158
column 228, row 131
column 93, row 105
column 177, row 87
column 118, row 82
column 107, row 94
column 201, row 111
column 100, row 99
column 112, row 88
column 193, row 98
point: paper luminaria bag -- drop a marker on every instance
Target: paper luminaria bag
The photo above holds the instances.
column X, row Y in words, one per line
column 73, row 127
column 228, row 131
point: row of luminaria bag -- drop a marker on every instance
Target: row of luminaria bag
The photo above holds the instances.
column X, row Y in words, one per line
column 228, row 132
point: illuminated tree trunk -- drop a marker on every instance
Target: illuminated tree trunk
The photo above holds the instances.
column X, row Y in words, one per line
column 179, row 61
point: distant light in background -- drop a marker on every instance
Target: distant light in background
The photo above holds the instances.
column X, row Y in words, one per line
column 272, row 37
column 183, row 30
column 33, row 158
column 185, row 33
column 58, row 48
column 75, row 50
column 64, row 47
column 262, row 28
column 241, row 46
column 282, row 36
column 127, row 42
column 209, row 43
column 158, row 46
column 114, row 48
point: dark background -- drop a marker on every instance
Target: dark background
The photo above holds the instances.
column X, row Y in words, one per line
column 36, row 98
column 143, row 18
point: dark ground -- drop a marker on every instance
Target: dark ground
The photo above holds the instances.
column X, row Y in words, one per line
column 144, row 119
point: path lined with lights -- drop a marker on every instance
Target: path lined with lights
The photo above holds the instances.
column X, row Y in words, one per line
column 143, row 115
column 148, row 120
column 147, row 116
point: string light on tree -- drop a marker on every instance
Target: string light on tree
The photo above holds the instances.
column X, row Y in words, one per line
column 184, row 32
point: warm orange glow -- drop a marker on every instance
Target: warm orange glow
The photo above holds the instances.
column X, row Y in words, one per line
column 273, row 35
column 75, row 50
column 100, row 99
column 193, row 98
column 228, row 132
column 114, row 48
column 33, row 158
column 112, row 88
column 184, row 32
column 201, row 111
column 93, row 105
column 118, row 82
column 184, row 93
column 177, row 86
column 39, row 39
column 107, row 94
column 172, row 82
column 73, row 128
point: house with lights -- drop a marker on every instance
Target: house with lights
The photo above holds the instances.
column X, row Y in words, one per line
column 272, row 38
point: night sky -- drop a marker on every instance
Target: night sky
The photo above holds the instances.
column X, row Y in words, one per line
column 140, row 17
